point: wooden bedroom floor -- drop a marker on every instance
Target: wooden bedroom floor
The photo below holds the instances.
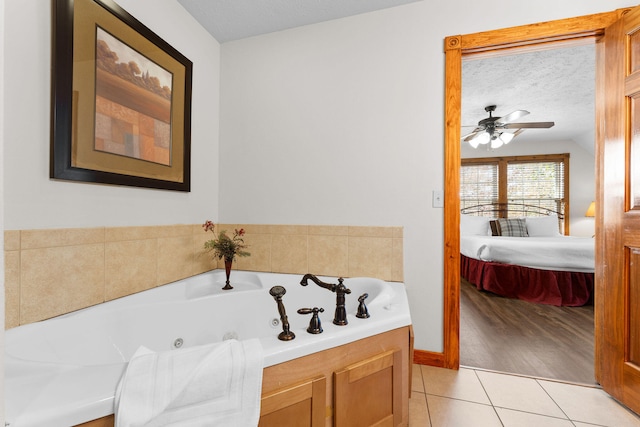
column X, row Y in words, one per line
column 509, row 335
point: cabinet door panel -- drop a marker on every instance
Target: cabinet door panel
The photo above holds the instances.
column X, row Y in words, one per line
column 369, row 393
column 300, row 405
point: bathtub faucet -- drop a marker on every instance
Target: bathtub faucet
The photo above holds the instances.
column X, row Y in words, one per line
column 340, row 317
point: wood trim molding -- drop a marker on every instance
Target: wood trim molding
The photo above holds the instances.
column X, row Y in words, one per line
column 422, row 357
column 535, row 36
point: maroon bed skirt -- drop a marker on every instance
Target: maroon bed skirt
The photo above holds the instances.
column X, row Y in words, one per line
column 560, row 288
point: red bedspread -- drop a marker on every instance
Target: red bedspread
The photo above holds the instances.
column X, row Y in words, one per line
column 560, row 288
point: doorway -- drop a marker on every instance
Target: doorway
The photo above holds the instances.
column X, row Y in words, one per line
column 573, row 30
column 553, row 84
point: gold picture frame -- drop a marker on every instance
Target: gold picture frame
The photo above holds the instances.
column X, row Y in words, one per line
column 121, row 100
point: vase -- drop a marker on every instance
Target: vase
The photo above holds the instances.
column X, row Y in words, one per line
column 227, row 270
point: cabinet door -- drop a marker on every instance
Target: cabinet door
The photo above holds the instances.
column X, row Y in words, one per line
column 369, row 393
column 299, row 405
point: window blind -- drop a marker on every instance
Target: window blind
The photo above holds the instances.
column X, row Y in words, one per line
column 536, row 183
column 478, row 185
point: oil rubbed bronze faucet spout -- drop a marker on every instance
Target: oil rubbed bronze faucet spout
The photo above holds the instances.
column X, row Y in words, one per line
column 314, row 279
column 340, row 317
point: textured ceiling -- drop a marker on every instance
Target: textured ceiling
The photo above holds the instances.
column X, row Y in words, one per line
column 229, row 20
column 553, row 85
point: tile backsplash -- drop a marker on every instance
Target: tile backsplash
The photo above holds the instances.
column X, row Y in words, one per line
column 56, row 271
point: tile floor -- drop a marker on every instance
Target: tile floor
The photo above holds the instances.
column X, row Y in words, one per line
column 479, row 398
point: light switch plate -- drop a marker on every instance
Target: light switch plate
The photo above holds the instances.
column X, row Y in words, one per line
column 437, row 199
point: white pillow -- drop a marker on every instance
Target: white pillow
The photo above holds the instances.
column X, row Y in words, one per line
column 471, row 225
column 543, row 226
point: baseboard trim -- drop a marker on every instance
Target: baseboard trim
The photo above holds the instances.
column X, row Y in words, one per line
column 430, row 358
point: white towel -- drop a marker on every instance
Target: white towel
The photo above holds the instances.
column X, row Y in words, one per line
column 211, row 385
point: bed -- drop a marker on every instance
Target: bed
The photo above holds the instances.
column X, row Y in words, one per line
column 505, row 251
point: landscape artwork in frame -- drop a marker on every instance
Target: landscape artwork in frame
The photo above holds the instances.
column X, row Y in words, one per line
column 121, row 100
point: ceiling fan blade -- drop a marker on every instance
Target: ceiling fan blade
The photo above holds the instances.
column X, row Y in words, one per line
column 515, row 115
column 470, row 136
column 531, row 125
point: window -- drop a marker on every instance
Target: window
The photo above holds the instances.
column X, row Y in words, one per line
column 541, row 181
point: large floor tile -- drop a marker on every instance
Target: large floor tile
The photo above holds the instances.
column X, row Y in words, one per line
column 416, row 379
column 590, row 405
column 511, row 418
column 461, row 384
column 445, row 412
column 519, row 393
column 418, row 412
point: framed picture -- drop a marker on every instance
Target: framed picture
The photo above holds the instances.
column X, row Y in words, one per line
column 121, row 100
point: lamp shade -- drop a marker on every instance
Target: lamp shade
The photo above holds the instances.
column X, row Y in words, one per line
column 481, row 138
column 591, row 210
column 506, row 137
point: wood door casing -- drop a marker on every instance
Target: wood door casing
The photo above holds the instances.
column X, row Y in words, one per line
column 583, row 29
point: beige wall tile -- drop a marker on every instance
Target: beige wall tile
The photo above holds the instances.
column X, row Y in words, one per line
column 197, row 229
column 178, row 230
column 130, row 267
column 260, row 250
column 329, row 255
column 11, row 289
column 289, row 254
column 328, row 230
column 256, row 228
column 289, row 229
column 370, row 256
column 12, row 240
column 118, row 234
column 175, row 259
column 397, row 260
column 59, row 280
column 79, row 269
column 371, row 231
column 203, row 260
column 33, row 239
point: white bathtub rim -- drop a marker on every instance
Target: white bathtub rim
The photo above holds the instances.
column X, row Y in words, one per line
column 30, row 410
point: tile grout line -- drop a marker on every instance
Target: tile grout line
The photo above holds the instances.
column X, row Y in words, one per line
column 426, row 401
column 553, row 400
column 488, row 397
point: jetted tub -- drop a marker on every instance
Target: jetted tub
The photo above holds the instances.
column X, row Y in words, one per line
column 64, row 371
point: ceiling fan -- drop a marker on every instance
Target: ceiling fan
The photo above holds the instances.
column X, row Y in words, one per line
column 492, row 129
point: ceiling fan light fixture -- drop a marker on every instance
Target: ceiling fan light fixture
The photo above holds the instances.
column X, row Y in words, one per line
column 481, row 138
column 506, row 137
column 496, row 142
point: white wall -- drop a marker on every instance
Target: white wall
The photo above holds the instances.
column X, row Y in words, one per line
column 32, row 200
column 2, row 27
column 582, row 180
column 342, row 123
column 335, row 123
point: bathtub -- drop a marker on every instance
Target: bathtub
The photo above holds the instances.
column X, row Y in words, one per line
column 64, row 371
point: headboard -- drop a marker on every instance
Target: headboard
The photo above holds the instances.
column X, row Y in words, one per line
column 505, row 210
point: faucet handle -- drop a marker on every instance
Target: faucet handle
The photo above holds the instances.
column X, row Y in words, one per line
column 341, row 287
column 314, row 325
column 363, row 312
